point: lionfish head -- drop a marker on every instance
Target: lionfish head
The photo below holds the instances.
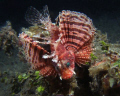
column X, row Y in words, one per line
column 65, row 65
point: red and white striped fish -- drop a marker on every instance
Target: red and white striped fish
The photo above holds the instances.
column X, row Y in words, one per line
column 70, row 42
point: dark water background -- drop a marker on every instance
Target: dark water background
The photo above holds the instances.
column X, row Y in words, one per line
column 104, row 13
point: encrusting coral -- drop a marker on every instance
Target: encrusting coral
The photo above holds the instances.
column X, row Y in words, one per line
column 105, row 69
column 8, row 38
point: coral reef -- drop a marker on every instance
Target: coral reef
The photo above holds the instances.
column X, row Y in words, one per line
column 104, row 69
column 26, row 84
column 36, row 29
column 8, row 38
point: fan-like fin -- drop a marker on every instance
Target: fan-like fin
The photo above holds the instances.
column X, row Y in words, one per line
column 76, row 29
column 34, row 53
column 83, row 55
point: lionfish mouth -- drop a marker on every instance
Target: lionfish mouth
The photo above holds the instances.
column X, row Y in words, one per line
column 67, row 73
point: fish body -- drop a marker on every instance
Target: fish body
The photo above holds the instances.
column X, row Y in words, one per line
column 70, row 43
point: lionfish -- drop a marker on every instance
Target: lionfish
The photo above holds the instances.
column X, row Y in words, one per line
column 70, row 42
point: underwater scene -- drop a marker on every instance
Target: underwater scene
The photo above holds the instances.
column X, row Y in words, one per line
column 59, row 48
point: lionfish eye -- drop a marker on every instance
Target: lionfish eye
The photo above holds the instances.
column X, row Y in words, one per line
column 68, row 64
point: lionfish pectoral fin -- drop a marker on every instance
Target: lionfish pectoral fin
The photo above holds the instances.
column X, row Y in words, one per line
column 48, row 70
column 34, row 55
column 83, row 56
column 81, row 60
column 33, row 52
